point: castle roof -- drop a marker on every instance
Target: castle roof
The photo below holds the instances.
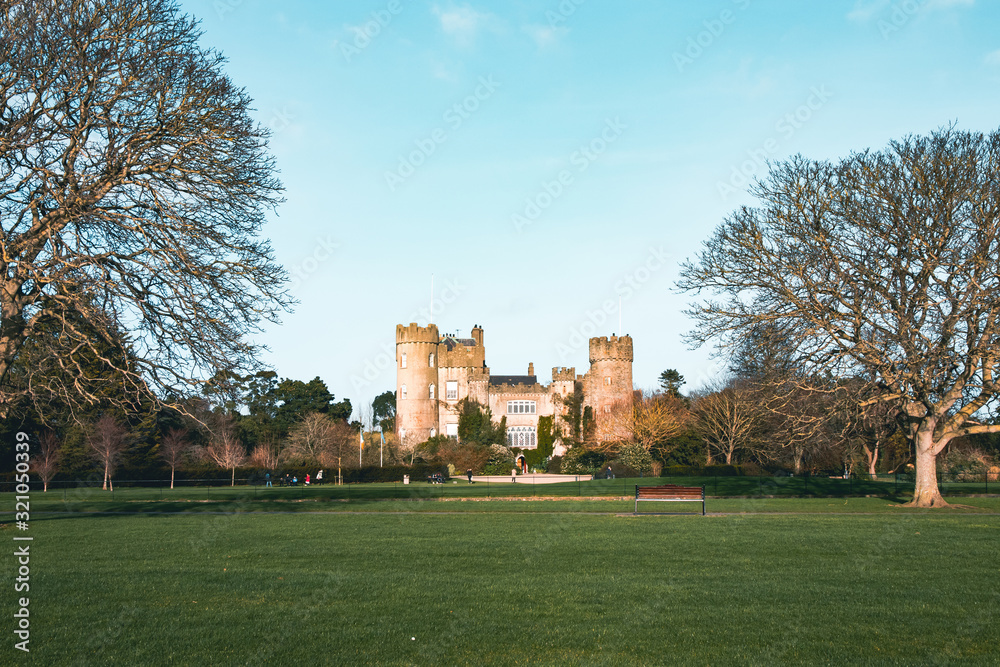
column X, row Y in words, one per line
column 496, row 380
column 450, row 342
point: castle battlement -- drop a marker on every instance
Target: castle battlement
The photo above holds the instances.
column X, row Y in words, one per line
column 611, row 348
column 417, row 334
column 520, row 388
column 563, row 374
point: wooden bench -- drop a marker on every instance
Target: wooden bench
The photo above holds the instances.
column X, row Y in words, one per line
column 670, row 493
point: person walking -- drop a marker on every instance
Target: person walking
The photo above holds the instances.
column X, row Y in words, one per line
column 513, row 475
column 468, row 473
column 307, row 479
column 267, row 479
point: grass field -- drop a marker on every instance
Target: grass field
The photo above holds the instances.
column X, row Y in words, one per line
column 238, row 580
column 717, row 487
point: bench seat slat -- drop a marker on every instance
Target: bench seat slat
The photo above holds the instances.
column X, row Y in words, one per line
column 670, row 493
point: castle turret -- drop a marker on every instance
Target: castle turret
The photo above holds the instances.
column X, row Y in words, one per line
column 608, row 384
column 417, row 390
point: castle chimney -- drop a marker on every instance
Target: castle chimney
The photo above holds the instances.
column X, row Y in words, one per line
column 531, row 368
column 477, row 335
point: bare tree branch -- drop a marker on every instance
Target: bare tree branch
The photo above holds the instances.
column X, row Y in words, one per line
column 133, row 187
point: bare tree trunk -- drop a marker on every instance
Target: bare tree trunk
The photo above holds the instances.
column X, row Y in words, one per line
column 233, row 481
column 172, row 478
column 45, row 486
column 797, row 461
column 104, row 487
column 926, row 493
column 871, row 455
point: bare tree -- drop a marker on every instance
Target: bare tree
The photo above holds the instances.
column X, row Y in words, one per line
column 868, row 426
column 311, row 438
column 727, row 419
column 651, row 420
column 224, row 448
column 106, row 440
column 174, row 449
column 264, row 455
column 799, row 419
column 133, row 187
column 885, row 265
column 46, row 463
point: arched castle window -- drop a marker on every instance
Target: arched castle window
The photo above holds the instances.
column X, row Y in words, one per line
column 607, row 380
column 523, row 437
column 402, row 391
column 430, row 360
column 431, row 390
column 402, row 360
column 433, row 432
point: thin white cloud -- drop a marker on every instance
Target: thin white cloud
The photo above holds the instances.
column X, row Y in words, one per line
column 544, row 36
column 993, row 58
column 464, row 23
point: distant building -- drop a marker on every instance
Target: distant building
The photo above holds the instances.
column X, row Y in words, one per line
column 434, row 373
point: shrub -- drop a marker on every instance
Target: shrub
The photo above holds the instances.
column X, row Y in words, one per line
column 636, row 457
column 500, row 460
column 579, row 460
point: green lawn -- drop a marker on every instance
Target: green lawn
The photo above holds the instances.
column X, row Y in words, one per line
column 715, row 487
column 511, row 582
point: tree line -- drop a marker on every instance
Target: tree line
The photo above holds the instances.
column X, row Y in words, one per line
column 260, row 421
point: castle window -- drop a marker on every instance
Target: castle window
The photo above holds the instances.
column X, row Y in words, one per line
column 607, row 380
column 522, row 437
column 431, row 389
column 402, row 434
column 402, row 360
column 433, row 432
column 402, row 391
column 430, row 360
column 451, row 430
column 451, row 390
column 520, row 407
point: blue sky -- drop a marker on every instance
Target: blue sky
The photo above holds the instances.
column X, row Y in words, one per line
column 546, row 159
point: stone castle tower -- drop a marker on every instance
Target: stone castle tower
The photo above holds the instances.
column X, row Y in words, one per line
column 435, row 372
column 416, row 379
column 608, row 384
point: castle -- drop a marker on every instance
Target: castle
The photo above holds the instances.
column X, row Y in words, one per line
column 435, row 372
